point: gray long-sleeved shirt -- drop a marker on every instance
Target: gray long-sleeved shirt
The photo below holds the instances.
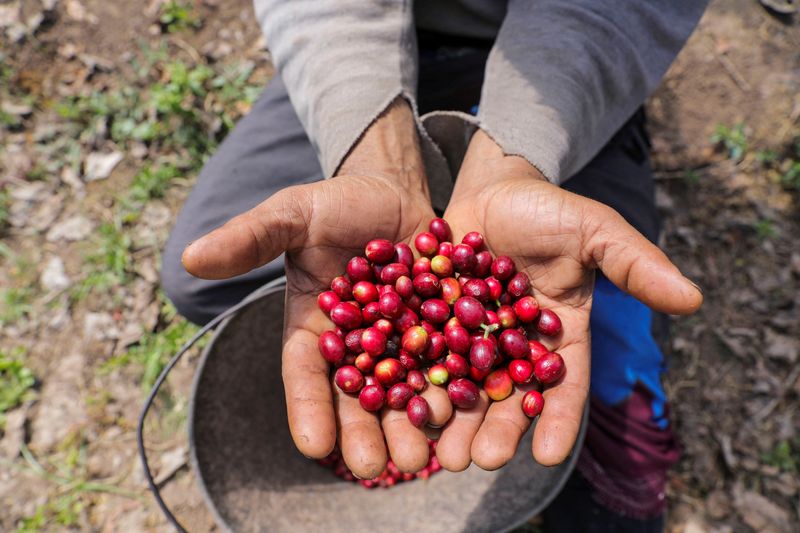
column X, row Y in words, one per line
column 561, row 78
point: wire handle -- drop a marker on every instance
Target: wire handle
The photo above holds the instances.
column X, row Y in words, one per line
column 148, row 403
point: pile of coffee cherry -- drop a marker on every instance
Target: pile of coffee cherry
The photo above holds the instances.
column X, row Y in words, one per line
column 390, row 476
column 455, row 317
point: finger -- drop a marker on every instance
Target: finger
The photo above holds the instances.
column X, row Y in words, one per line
column 308, row 395
column 638, row 267
column 454, row 447
column 360, row 435
column 441, row 407
column 564, row 402
column 309, row 403
column 251, row 239
column 408, row 445
column 498, row 437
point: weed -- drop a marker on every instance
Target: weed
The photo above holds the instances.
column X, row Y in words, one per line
column 765, row 229
column 67, row 505
column 790, row 167
column 733, row 139
column 149, row 183
column 691, row 177
column 5, row 207
column 114, row 250
column 16, row 383
column 154, row 350
column 785, row 455
column 15, row 304
column 176, row 16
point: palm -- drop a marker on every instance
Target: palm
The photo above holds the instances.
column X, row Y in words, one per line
column 529, row 221
column 320, row 227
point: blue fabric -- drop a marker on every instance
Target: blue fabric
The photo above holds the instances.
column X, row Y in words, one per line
column 624, row 351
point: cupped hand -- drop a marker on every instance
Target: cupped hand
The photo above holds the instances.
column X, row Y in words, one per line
column 559, row 239
column 321, row 226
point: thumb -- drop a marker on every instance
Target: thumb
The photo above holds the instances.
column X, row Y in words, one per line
column 253, row 238
column 638, row 267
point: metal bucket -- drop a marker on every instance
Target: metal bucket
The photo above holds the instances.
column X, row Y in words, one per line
column 254, row 479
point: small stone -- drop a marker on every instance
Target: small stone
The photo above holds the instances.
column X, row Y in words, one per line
column 664, row 201
column 718, row 504
column 30, row 192
column 98, row 165
column 760, row 513
column 795, row 262
column 60, row 408
column 100, row 326
column 9, row 14
column 76, row 11
column 72, row 229
column 782, row 347
column 170, row 463
column 68, row 51
column 12, row 108
column 95, row 63
column 70, row 177
column 14, row 433
column 54, row 277
column 34, row 21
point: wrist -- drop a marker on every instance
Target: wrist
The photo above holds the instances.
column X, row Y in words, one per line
column 389, row 149
column 486, row 163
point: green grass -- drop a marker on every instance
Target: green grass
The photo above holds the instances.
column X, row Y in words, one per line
column 15, row 303
column 154, row 349
column 172, row 106
column 71, row 486
column 765, row 229
column 177, row 16
column 785, row 456
column 5, row 206
column 790, row 167
column 16, row 383
column 733, row 139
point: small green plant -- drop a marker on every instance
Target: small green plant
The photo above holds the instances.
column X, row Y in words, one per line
column 72, row 485
column 790, row 167
column 785, row 455
column 150, row 183
column 691, row 177
column 176, row 16
column 15, row 303
column 765, row 229
column 154, row 350
column 5, row 207
column 16, row 383
column 734, row 139
column 114, row 250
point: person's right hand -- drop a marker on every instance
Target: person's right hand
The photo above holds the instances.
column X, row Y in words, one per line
column 380, row 192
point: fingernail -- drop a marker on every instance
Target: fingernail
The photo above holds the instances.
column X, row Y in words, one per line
column 696, row 286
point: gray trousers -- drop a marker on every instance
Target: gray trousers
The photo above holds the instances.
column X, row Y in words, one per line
column 269, row 150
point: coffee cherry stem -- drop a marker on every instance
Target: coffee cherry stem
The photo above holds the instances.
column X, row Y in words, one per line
column 488, row 330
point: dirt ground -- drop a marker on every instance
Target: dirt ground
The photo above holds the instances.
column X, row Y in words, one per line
column 107, row 111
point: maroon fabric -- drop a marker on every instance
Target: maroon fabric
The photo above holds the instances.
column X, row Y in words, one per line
column 626, row 456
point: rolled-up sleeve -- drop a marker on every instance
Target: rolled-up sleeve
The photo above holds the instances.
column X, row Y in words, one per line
column 563, row 76
column 343, row 62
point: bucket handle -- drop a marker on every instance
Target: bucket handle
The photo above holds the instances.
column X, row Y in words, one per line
column 148, row 403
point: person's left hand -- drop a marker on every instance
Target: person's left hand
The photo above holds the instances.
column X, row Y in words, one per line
column 558, row 238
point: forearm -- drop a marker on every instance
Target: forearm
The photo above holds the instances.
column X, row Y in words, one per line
column 389, row 149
